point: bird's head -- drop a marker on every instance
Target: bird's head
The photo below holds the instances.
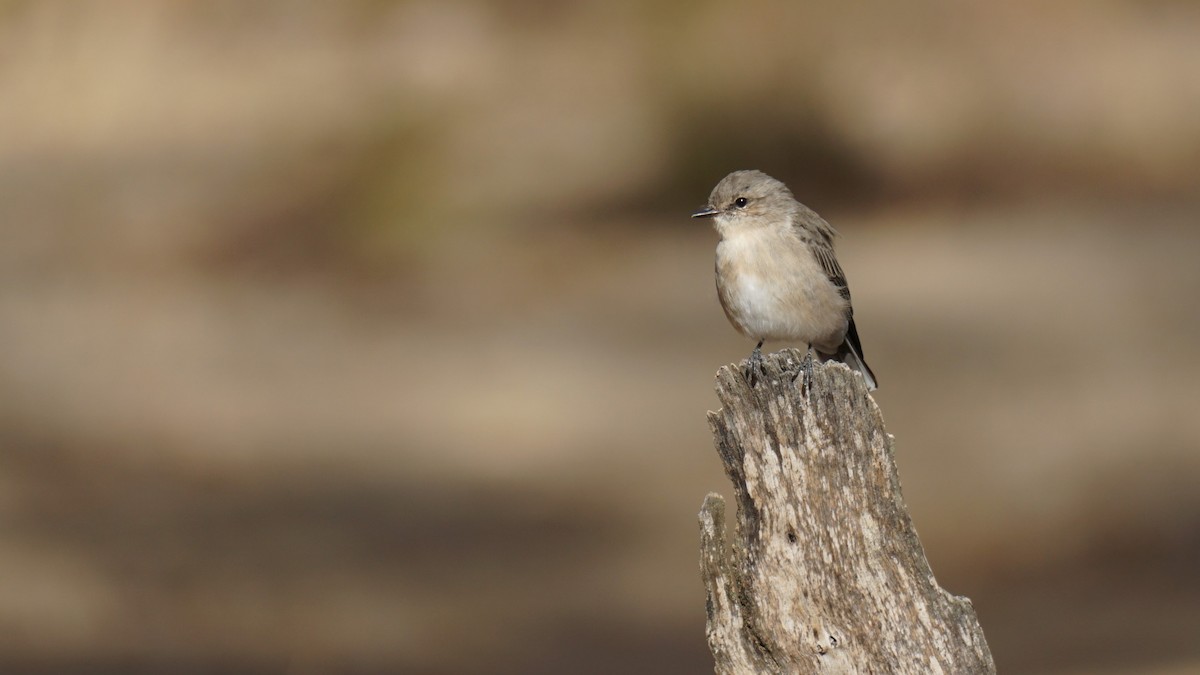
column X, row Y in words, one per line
column 747, row 199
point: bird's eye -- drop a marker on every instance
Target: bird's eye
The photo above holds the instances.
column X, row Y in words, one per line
column 740, row 202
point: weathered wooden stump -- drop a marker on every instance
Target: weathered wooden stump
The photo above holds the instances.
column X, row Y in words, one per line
column 825, row 573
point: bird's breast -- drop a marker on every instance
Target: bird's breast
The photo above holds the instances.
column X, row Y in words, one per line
column 771, row 286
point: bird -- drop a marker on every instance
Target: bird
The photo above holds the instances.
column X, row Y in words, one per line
column 777, row 276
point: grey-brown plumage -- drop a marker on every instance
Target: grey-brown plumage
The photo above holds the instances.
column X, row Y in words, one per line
column 777, row 275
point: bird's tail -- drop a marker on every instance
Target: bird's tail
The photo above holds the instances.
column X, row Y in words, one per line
column 852, row 359
column 850, row 353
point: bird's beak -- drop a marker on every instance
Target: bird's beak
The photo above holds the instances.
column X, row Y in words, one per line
column 706, row 212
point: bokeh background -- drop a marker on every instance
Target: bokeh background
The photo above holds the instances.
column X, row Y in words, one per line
column 374, row 336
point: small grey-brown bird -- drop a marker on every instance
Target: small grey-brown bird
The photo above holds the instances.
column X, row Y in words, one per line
column 777, row 275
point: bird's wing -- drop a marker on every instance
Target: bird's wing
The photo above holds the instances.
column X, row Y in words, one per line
column 819, row 235
column 833, row 270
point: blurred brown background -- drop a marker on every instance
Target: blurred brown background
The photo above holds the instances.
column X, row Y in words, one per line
column 374, row 336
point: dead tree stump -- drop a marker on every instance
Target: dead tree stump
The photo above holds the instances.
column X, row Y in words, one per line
column 825, row 573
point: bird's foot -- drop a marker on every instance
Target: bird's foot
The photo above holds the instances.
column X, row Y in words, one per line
column 805, row 372
column 755, row 371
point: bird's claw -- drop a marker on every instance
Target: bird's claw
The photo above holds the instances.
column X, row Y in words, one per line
column 755, row 372
column 805, row 372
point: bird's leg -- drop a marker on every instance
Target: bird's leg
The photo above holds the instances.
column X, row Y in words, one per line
column 805, row 373
column 754, row 365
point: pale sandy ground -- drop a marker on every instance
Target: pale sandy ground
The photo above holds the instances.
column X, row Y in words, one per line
column 497, row 468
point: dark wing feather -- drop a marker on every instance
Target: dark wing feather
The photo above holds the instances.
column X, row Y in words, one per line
column 832, row 269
